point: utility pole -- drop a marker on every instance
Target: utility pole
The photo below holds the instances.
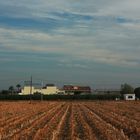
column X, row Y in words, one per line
column 31, row 82
column 41, row 91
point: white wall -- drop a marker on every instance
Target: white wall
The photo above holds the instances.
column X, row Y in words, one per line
column 129, row 97
column 46, row 91
column 50, row 90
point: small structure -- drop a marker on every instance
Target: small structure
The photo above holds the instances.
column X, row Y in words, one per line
column 129, row 97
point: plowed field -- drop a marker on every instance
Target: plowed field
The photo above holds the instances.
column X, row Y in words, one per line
column 77, row 120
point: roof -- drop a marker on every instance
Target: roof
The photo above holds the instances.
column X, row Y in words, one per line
column 76, row 88
column 50, row 85
column 130, row 94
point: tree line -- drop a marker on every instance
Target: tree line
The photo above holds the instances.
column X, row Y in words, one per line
column 125, row 89
column 128, row 89
column 12, row 90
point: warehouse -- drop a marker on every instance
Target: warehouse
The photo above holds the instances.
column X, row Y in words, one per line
column 46, row 90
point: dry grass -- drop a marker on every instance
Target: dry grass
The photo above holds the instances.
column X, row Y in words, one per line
column 105, row 120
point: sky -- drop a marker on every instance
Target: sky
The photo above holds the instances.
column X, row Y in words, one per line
column 82, row 42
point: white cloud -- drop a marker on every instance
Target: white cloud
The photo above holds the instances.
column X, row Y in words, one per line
column 100, row 40
column 41, row 8
column 73, row 65
column 125, row 8
column 78, row 48
column 83, row 47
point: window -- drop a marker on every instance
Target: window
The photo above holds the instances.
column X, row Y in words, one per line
column 130, row 97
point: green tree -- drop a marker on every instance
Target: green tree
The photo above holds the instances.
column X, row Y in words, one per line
column 126, row 89
column 4, row 92
column 11, row 89
column 18, row 87
column 137, row 92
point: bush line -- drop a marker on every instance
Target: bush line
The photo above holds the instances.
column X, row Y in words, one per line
column 61, row 97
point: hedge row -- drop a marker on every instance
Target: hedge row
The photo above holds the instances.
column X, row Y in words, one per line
column 60, row 97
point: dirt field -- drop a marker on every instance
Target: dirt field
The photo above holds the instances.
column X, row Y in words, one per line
column 92, row 120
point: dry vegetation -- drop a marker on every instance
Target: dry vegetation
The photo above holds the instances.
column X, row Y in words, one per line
column 100, row 120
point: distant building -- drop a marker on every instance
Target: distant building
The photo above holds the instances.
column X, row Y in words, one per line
column 46, row 90
column 51, row 89
column 129, row 97
column 106, row 91
column 72, row 89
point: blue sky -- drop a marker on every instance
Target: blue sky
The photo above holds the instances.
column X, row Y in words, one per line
column 86, row 42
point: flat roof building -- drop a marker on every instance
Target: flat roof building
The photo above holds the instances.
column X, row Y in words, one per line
column 46, row 90
column 129, row 97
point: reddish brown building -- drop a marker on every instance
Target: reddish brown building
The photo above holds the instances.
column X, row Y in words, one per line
column 76, row 89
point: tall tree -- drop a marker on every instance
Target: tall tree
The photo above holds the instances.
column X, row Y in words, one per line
column 126, row 89
column 137, row 92
column 11, row 89
column 18, row 87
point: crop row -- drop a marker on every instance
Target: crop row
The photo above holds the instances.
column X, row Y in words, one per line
column 70, row 121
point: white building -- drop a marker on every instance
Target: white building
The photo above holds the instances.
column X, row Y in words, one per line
column 47, row 90
column 129, row 97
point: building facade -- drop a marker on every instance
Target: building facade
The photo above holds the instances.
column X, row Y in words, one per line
column 129, row 97
column 73, row 89
column 46, row 90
